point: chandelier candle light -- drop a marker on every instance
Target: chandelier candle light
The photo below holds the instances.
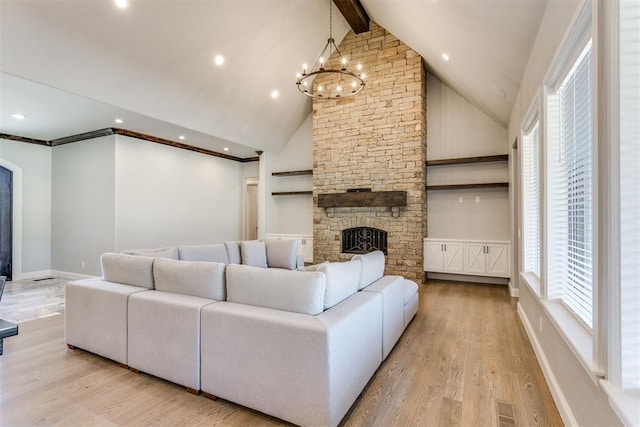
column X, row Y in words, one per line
column 330, row 83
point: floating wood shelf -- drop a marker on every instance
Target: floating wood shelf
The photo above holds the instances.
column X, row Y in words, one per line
column 468, row 186
column 465, row 160
column 292, row 193
column 293, row 173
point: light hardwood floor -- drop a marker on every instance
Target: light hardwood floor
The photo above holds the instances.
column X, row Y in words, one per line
column 464, row 360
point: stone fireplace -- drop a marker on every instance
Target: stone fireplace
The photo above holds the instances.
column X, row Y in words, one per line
column 375, row 140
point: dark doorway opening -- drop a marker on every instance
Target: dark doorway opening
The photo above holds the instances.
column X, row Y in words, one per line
column 6, row 222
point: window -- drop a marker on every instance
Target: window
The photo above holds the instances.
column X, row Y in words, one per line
column 531, row 200
column 629, row 78
column 569, row 188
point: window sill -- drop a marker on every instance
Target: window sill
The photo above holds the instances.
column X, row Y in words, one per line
column 573, row 333
column 533, row 282
column 626, row 404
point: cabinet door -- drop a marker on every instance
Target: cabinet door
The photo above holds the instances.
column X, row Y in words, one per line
column 475, row 258
column 433, row 256
column 497, row 259
column 306, row 249
column 453, row 257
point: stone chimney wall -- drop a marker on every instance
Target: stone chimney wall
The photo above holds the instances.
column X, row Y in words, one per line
column 376, row 140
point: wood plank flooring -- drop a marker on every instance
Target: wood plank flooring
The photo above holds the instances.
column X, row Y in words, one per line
column 465, row 360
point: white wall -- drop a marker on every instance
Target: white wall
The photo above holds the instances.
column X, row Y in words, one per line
column 289, row 214
column 83, row 205
column 34, row 217
column 456, row 128
column 580, row 400
column 166, row 196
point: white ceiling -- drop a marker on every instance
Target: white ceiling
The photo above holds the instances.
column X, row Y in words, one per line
column 72, row 66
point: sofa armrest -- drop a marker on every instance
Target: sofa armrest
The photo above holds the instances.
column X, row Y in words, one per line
column 304, row 369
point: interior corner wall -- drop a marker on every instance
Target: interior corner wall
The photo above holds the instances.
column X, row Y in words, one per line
column 167, row 197
column 83, row 199
column 456, row 128
column 292, row 215
column 34, row 162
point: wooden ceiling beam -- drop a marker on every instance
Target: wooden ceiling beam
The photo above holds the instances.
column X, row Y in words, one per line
column 355, row 14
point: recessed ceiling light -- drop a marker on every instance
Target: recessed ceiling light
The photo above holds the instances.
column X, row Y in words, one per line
column 122, row 4
column 226, row 148
column 445, row 56
column 219, row 59
column 181, row 137
column 119, row 121
column 275, row 94
column 17, row 116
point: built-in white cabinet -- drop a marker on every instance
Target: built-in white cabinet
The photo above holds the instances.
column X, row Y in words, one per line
column 473, row 257
column 444, row 256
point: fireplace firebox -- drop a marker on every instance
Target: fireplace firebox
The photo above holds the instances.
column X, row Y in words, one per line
column 362, row 240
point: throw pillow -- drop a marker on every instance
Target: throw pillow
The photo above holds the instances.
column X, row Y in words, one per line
column 282, row 253
column 253, row 254
column 233, row 252
column 170, row 252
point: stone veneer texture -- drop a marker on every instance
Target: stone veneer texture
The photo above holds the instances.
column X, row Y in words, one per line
column 376, row 140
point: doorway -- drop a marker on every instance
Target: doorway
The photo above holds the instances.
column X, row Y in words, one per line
column 251, row 212
column 6, row 222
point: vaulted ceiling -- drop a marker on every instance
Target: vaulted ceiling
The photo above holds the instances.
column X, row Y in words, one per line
column 74, row 66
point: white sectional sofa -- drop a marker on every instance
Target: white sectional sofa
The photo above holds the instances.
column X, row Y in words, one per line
column 297, row 345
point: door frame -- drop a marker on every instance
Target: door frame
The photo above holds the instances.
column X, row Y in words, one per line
column 16, row 247
column 254, row 180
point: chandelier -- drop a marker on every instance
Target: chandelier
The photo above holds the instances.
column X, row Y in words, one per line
column 322, row 81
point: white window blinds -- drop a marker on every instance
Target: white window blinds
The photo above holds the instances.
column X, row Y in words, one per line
column 569, row 189
column 531, row 200
column 630, row 191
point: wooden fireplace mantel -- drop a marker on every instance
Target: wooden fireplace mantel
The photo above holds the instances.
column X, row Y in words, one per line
column 369, row 199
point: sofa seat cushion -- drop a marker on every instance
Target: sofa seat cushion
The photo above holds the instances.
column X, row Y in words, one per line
column 295, row 291
column 206, row 253
column 128, row 269
column 282, row 253
column 199, row 279
column 164, row 336
column 96, row 316
column 410, row 290
column 343, row 279
column 169, row 252
column 372, row 268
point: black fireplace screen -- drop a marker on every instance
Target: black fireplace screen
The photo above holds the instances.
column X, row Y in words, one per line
column 362, row 240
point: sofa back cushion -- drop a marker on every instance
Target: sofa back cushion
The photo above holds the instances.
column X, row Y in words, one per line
column 128, row 269
column 372, row 267
column 199, row 279
column 282, row 253
column 253, row 253
column 169, row 252
column 343, row 279
column 207, row 253
column 233, row 252
column 295, row 291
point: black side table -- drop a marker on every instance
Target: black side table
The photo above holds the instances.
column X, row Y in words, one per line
column 7, row 329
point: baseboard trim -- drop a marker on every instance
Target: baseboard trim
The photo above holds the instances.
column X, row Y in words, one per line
column 556, row 392
column 515, row 292
column 32, row 275
column 68, row 275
